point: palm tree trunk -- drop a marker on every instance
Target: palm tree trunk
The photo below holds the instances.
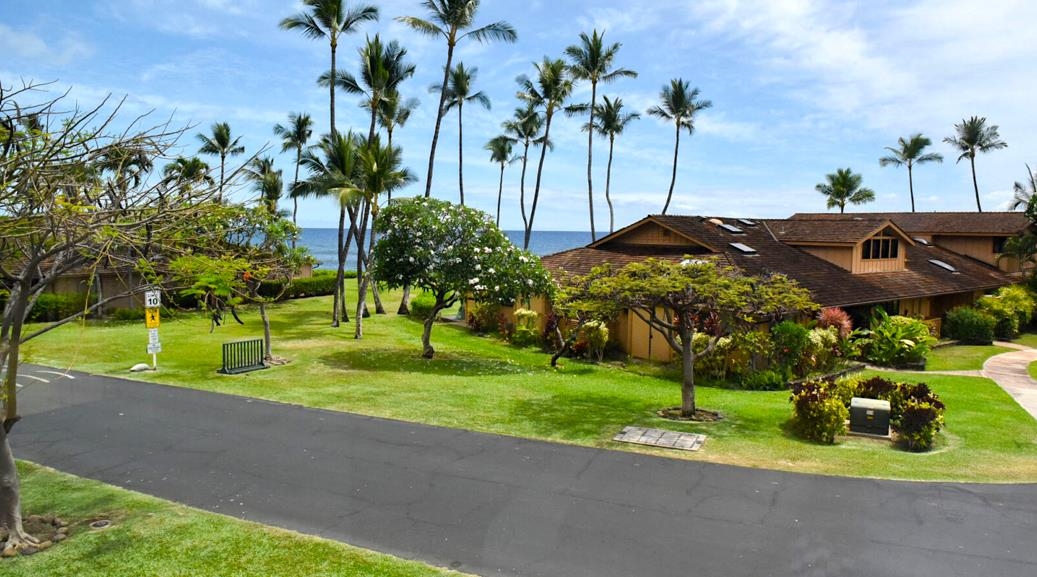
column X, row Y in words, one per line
column 460, row 152
column 608, row 185
column 439, row 118
column 975, row 185
column 340, row 274
column 522, row 186
column 219, row 193
column 590, row 156
column 911, row 187
column 673, row 177
column 361, row 274
column 331, row 85
column 379, row 308
column 295, row 183
column 500, row 192
column 536, row 189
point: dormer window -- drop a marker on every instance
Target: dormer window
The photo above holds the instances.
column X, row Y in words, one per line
column 999, row 244
column 880, row 248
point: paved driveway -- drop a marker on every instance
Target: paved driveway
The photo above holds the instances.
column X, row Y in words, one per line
column 496, row 505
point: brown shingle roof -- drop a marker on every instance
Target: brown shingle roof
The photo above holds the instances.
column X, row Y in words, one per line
column 829, row 284
column 961, row 223
column 829, row 231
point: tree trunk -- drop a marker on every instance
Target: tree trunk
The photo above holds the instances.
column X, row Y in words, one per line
column 566, row 343
column 426, row 335
column 10, row 498
column 975, row 185
column 219, row 193
column 267, row 355
column 404, row 301
column 590, row 157
column 522, row 186
column 340, row 274
column 500, row 192
column 540, row 172
column 362, row 278
column 460, row 151
column 673, row 177
column 439, row 118
column 688, row 376
column 295, row 183
column 379, row 308
column 911, row 186
column 608, row 185
column 331, row 85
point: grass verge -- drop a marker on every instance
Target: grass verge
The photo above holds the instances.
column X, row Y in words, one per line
column 478, row 383
column 962, row 357
column 149, row 536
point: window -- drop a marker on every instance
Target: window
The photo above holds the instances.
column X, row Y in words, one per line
column 879, row 248
column 999, row 244
column 743, row 248
column 732, row 229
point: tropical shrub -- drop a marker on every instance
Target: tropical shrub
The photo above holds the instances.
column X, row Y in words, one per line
column 823, row 348
column 525, row 332
column 1011, row 307
column 128, row 314
column 895, row 340
column 596, row 333
column 421, row 306
column 322, row 283
column 970, row 326
column 766, row 380
column 837, row 318
column 790, row 340
column 483, row 317
column 52, row 307
column 818, row 413
column 920, row 418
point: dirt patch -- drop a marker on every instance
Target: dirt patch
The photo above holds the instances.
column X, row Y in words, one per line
column 701, row 415
column 47, row 529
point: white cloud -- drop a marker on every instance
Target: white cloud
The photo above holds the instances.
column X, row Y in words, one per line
column 35, row 49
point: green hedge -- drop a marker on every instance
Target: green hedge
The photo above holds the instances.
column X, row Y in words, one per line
column 970, row 326
column 51, row 307
column 320, row 284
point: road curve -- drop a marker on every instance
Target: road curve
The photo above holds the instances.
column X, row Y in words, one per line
column 494, row 505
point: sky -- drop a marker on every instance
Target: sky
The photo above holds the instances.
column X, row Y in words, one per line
column 799, row 88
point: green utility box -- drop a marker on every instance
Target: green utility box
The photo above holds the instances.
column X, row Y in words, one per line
column 869, row 416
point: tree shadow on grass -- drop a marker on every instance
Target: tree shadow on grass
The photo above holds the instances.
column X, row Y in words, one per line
column 579, row 416
column 409, row 361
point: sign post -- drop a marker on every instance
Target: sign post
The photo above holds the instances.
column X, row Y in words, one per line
column 152, row 304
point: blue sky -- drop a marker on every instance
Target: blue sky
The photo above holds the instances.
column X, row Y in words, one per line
column 799, row 89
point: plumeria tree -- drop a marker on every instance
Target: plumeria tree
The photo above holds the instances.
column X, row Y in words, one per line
column 453, row 252
column 679, row 299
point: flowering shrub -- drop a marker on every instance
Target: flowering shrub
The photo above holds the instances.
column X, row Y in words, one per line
column 915, row 411
column 1011, row 307
column 525, row 327
column 823, row 348
column 837, row 318
column 596, row 334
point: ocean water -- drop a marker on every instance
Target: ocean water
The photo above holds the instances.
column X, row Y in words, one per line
column 322, row 241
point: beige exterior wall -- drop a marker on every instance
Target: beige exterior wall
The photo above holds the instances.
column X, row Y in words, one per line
column 641, row 341
column 840, row 256
column 653, row 234
column 863, row 266
column 978, row 247
column 919, row 308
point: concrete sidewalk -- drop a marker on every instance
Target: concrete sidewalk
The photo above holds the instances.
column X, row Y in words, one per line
column 1010, row 372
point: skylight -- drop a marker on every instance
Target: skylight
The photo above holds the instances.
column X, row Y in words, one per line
column 747, row 222
column 732, row 229
column 943, row 265
column 920, row 241
column 743, row 248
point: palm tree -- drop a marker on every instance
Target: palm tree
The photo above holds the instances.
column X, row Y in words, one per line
column 500, row 152
column 591, row 60
column 679, row 105
column 379, row 170
column 330, row 19
column 333, row 174
column 1024, row 196
column 909, row 152
column 552, row 87
column 973, row 135
column 525, row 126
column 294, row 137
column 453, row 20
column 187, row 172
column 382, row 69
column 844, row 186
column 611, row 120
column 266, row 181
column 222, row 145
column 459, row 91
column 393, row 112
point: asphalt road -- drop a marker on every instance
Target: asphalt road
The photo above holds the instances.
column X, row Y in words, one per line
column 495, row 505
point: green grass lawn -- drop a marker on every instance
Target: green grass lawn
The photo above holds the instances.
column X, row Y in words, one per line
column 1027, row 339
column 157, row 538
column 478, row 383
column 1032, row 369
column 962, row 357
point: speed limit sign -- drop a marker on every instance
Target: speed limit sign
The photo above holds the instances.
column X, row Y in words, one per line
column 152, row 299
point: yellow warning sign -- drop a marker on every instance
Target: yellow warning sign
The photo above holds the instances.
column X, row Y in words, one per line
column 151, row 319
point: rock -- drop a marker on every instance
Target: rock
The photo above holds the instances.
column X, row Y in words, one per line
column 44, row 545
column 60, row 537
column 63, row 530
column 48, row 519
column 9, row 552
column 62, row 523
column 30, row 550
column 34, row 518
column 140, row 367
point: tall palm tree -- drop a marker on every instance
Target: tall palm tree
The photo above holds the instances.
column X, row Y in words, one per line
column 1023, row 195
column 269, row 183
column 525, row 127
column 379, row 170
column 459, row 91
column 294, row 136
column 222, row 145
column 909, row 153
column 550, row 91
column 844, row 186
column 187, row 172
column 394, row 112
column 333, row 174
column 330, row 19
column 591, row 60
column 500, row 152
column 973, row 135
column 610, row 122
column 453, row 21
column 382, row 69
column 679, row 105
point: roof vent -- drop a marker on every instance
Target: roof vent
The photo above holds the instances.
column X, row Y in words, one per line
column 747, row 222
column 920, row 240
column 743, row 248
column 943, row 265
column 732, row 229
column 715, row 221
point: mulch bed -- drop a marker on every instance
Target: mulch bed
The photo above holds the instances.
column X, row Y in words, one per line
column 701, row 415
column 47, row 529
